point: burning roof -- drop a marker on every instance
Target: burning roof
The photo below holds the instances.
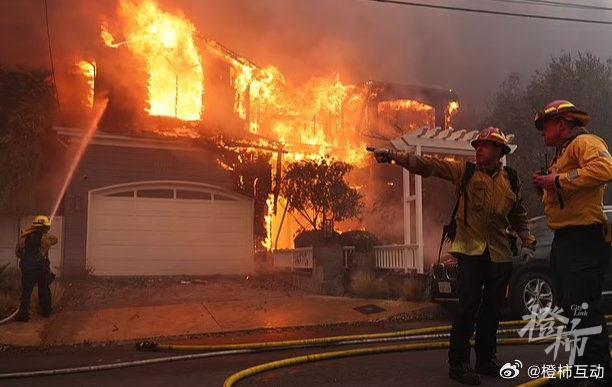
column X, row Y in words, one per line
column 177, row 83
column 194, row 86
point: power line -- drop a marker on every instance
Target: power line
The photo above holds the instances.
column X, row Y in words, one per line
column 51, row 58
column 491, row 12
column 555, row 4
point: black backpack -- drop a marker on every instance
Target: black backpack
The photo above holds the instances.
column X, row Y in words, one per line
column 449, row 231
column 31, row 248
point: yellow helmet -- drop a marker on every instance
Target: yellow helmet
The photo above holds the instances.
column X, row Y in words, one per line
column 561, row 109
column 494, row 135
column 41, row 221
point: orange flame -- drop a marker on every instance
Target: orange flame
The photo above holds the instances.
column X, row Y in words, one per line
column 166, row 43
column 451, row 111
column 267, row 243
column 312, row 122
column 88, row 70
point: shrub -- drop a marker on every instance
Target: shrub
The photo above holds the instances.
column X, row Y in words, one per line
column 314, row 238
column 363, row 241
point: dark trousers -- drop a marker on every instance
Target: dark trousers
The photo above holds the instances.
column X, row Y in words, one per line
column 579, row 260
column 482, row 295
column 29, row 279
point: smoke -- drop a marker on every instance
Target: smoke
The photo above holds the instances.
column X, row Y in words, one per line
column 361, row 40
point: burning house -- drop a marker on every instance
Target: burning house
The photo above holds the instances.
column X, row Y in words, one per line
column 176, row 146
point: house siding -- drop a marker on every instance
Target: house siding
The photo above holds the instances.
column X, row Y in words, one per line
column 106, row 165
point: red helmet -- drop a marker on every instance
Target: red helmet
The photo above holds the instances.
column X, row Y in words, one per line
column 561, row 109
column 494, row 135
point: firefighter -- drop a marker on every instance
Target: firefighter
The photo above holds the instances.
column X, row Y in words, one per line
column 33, row 252
column 488, row 204
column 573, row 192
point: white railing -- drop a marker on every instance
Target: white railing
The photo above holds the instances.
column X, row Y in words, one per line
column 300, row 258
column 396, row 257
column 347, row 252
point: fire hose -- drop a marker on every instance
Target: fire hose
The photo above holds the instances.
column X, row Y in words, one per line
column 9, row 318
column 233, row 349
column 246, row 373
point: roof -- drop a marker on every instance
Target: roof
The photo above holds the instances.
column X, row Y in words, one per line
column 101, row 138
column 436, row 140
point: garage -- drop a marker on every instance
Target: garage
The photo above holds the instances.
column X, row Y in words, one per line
column 168, row 228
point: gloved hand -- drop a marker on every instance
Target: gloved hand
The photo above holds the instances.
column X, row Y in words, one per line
column 383, row 155
column 526, row 254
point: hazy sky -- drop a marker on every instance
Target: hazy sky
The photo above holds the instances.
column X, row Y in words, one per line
column 471, row 53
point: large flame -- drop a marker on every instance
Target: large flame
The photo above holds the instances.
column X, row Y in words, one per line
column 88, row 70
column 313, row 121
column 166, row 43
column 316, row 120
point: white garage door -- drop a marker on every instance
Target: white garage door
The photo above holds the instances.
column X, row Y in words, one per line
column 169, row 229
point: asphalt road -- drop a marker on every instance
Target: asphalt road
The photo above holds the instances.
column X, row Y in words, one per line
column 424, row 368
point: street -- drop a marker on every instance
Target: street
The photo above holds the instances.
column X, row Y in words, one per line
column 393, row 369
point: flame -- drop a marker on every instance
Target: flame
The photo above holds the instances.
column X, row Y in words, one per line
column 88, row 70
column 407, row 115
column 312, row 122
column 404, row 104
column 317, row 120
column 451, row 111
column 166, row 43
column 107, row 37
column 267, row 243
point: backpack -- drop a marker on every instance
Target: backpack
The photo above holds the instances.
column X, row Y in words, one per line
column 449, row 230
column 30, row 249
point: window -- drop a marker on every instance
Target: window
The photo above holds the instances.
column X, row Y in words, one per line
column 193, row 195
column 155, row 193
column 125, row 194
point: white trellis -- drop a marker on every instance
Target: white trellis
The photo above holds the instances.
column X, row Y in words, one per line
column 426, row 141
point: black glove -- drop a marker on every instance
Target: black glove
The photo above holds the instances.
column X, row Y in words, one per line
column 384, row 155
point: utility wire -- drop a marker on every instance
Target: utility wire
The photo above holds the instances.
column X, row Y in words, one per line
column 555, row 4
column 490, row 12
column 51, row 59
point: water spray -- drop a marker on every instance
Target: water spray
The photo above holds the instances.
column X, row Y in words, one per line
column 98, row 111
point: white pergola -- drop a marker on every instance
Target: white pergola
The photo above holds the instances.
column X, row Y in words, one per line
column 428, row 141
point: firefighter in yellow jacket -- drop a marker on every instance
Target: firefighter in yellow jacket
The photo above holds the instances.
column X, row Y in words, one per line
column 573, row 192
column 489, row 203
column 33, row 252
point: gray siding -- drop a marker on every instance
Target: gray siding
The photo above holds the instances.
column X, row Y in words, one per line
column 105, row 165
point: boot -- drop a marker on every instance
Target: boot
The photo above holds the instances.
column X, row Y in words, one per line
column 489, row 367
column 463, row 374
column 22, row 317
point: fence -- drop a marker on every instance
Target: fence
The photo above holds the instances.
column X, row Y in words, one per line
column 300, row 258
column 396, row 257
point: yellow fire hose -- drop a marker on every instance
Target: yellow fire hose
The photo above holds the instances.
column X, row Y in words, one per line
column 318, row 341
column 233, row 379
column 206, row 351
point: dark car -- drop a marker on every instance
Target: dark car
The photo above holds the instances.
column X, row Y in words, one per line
column 530, row 284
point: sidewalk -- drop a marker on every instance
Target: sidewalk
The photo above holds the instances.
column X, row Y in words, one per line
column 214, row 312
